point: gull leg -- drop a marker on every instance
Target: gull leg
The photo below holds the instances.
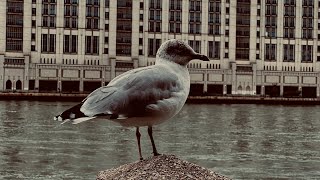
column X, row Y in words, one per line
column 138, row 135
column 155, row 152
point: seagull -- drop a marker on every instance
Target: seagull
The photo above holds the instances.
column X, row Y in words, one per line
column 142, row 97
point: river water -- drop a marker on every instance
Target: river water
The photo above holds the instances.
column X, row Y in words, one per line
column 239, row 141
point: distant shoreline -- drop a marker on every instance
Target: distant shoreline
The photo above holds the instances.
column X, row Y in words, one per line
column 229, row 99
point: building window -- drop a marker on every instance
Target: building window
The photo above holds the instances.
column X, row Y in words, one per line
column 194, row 17
column 271, row 17
column 71, row 14
column 124, row 27
column 155, row 16
column 214, row 22
column 140, row 41
column 271, row 52
column 107, row 3
column 14, row 26
column 288, row 52
column 106, row 40
column 33, row 48
column 49, row 13
column 70, row 43
column 243, row 30
column 196, row 45
column 34, row 11
column 33, row 23
column 48, row 43
column 306, row 53
column 33, row 37
column 214, row 49
column 289, row 26
column 307, row 19
column 14, row 32
column 92, row 44
column 175, row 16
column 154, row 45
column 92, row 14
column 123, row 50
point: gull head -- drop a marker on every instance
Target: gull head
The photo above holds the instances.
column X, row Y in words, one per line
column 179, row 52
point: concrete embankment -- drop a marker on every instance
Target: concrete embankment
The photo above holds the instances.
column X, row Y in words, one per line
column 160, row 167
column 252, row 100
column 42, row 96
column 192, row 99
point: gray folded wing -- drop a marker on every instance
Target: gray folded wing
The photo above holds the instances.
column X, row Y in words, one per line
column 135, row 93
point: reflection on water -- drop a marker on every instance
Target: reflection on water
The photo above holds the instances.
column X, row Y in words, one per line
column 240, row 141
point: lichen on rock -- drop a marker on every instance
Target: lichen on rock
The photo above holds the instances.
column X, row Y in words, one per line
column 160, row 167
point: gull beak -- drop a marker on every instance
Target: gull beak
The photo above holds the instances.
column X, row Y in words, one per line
column 201, row 57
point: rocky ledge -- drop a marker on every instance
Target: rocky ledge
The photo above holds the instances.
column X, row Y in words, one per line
column 160, row 167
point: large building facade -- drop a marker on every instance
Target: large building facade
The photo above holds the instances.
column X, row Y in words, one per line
column 255, row 47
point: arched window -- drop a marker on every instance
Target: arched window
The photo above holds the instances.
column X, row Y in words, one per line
column 248, row 89
column 240, row 88
column 8, row 84
column 18, row 85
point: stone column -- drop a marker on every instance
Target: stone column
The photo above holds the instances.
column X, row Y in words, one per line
column 224, row 89
column 113, row 67
column 25, row 79
column 2, row 75
column 59, row 88
column 135, row 63
column 234, row 77
column 36, row 83
column 205, row 81
column 318, row 85
column 112, row 28
column 281, row 84
column 262, row 84
column 300, row 83
column 81, row 80
column 103, row 76
column 254, row 78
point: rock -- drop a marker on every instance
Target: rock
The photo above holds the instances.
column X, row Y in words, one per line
column 160, row 167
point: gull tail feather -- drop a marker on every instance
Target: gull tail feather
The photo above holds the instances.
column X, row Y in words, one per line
column 73, row 115
column 82, row 119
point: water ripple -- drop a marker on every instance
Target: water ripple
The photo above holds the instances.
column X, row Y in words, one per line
column 240, row 141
